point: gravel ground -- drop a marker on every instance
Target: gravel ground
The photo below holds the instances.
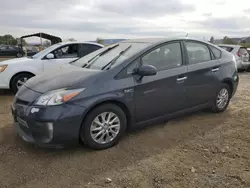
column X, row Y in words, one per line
column 3, row 58
column 199, row 150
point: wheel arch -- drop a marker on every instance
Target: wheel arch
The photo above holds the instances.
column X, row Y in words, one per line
column 22, row 72
column 116, row 102
column 229, row 82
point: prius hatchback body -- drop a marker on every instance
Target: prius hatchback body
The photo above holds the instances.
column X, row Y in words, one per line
column 95, row 99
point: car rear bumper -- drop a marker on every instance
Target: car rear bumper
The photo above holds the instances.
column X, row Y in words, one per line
column 243, row 65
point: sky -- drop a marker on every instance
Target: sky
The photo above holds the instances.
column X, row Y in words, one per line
column 89, row 19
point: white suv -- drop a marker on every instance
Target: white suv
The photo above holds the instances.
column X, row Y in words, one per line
column 15, row 72
column 240, row 53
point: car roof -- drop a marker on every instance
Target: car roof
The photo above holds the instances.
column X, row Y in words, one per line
column 159, row 40
column 230, row 45
column 81, row 42
column 144, row 40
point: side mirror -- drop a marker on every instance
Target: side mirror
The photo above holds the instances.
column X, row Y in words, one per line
column 50, row 56
column 146, row 70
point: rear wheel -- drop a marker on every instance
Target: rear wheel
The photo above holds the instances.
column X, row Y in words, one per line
column 103, row 127
column 19, row 80
column 222, row 99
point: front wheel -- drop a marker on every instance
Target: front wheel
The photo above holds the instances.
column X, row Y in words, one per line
column 103, row 127
column 18, row 55
column 19, row 80
column 222, row 99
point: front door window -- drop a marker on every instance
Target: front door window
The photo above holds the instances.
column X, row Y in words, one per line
column 69, row 51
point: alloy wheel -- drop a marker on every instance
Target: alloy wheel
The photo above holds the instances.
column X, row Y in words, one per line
column 105, row 127
column 21, row 81
column 19, row 55
column 222, row 98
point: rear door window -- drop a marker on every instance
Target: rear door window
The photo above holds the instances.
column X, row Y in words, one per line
column 197, row 52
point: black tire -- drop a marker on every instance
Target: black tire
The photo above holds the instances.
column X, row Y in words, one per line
column 18, row 77
column 85, row 135
column 18, row 55
column 215, row 107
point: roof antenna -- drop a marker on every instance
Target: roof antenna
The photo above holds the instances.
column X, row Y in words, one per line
column 242, row 39
column 186, row 35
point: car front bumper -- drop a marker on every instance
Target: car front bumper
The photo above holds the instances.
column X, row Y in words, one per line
column 55, row 126
column 4, row 79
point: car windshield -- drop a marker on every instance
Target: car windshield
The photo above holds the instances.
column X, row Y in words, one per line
column 45, row 51
column 98, row 62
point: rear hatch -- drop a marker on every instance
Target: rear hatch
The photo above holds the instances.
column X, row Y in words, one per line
column 244, row 54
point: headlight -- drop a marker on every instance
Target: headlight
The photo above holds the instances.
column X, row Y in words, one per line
column 57, row 97
column 3, row 67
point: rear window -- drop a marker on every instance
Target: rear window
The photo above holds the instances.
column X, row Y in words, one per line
column 227, row 48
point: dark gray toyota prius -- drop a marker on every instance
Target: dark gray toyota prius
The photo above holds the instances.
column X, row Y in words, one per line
column 95, row 99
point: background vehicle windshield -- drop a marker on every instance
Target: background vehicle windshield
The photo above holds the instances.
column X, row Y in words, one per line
column 46, row 51
column 107, row 57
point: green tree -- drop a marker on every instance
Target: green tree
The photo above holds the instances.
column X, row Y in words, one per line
column 8, row 39
column 100, row 40
column 212, row 39
column 24, row 43
column 70, row 40
column 227, row 40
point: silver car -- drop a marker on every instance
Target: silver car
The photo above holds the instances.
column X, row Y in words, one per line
column 240, row 53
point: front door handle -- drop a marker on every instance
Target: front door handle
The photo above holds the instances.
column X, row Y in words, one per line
column 215, row 69
column 181, row 79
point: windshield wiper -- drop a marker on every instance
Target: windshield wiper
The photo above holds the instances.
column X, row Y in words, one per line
column 74, row 60
column 90, row 62
column 112, row 62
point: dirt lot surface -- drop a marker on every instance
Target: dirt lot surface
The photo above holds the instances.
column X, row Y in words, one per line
column 3, row 58
column 201, row 150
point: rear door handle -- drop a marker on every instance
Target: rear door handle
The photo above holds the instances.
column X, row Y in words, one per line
column 181, row 79
column 215, row 69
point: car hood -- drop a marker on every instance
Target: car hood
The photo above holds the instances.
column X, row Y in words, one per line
column 16, row 60
column 65, row 76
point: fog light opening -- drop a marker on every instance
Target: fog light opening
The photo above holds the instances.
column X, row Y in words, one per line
column 50, row 132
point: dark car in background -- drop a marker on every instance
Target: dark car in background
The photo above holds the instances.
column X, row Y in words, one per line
column 135, row 82
column 11, row 51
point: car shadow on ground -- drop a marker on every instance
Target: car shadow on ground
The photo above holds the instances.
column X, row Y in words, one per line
column 158, row 137
column 136, row 145
column 6, row 92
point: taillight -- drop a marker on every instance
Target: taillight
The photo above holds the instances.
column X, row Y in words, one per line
column 238, row 53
